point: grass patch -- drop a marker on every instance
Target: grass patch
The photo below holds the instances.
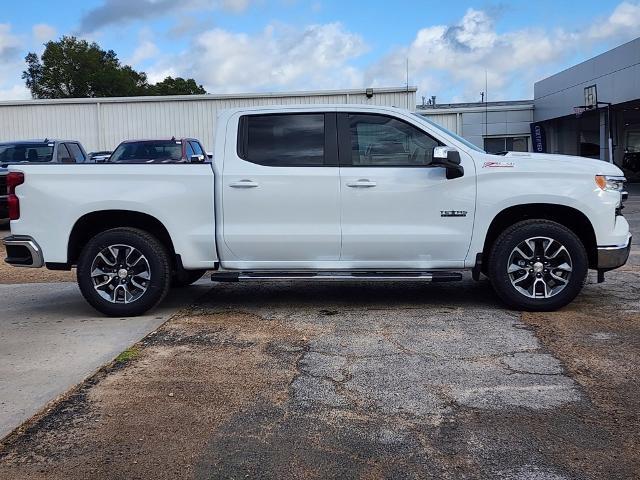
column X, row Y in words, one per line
column 128, row 355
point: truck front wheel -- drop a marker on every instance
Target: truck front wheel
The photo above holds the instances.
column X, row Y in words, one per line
column 124, row 272
column 538, row 265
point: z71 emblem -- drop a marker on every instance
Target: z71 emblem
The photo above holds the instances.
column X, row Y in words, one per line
column 453, row 213
column 498, row 165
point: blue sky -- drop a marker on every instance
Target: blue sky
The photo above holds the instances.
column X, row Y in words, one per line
column 275, row 45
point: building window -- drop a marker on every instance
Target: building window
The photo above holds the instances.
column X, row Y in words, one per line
column 506, row 144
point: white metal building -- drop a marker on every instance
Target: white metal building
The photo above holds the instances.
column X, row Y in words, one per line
column 493, row 126
column 102, row 123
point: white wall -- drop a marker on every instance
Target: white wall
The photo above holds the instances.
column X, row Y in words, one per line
column 616, row 74
column 101, row 124
column 476, row 123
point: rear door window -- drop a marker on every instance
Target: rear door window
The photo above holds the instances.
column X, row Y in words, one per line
column 283, row 140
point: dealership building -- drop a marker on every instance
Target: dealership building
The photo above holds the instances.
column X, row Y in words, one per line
column 591, row 109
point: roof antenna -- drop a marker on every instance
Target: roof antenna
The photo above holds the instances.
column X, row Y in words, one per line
column 486, row 100
column 408, row 108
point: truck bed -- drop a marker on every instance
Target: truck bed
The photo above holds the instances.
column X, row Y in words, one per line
column 179, row 196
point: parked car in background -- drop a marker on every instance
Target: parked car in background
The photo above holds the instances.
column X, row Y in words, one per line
column 99, row 157
column 41, row 151
column 183, row 150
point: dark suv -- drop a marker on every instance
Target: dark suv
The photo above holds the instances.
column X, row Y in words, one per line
column 183, row 150
column 41, row 151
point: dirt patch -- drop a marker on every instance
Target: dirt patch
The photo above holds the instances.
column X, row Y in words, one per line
column 185, row 381
column 598, row 341
column 13, row 275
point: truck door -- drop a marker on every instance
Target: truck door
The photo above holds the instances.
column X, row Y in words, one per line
column 397, row 212
column 280, row 185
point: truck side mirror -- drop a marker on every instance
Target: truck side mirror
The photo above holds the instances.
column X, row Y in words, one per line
column 448, row 158
column 197, row 158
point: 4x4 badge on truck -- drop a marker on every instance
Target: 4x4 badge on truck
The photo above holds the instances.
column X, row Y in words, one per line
column 453, row 213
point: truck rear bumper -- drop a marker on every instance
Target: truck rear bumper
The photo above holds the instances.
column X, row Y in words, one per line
column 613, row 256
column 23, row 251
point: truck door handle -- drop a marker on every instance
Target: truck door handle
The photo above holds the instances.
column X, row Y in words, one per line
column 244, row 184
column 362, row 183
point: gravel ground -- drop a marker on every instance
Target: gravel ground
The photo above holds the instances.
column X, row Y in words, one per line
column 359, row 381
column 13, row 275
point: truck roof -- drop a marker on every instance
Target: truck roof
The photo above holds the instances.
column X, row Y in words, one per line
column 318, row 107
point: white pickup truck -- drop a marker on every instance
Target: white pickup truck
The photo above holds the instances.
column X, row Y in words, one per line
column 330, row 193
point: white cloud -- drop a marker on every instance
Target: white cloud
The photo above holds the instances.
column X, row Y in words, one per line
column 43, row 32
column 623, row 22
column 146, row 49
column 454, row 58
column 159, row 74
column 11, row 65
column 9, row 43
column 16, row 92
column 279, row 57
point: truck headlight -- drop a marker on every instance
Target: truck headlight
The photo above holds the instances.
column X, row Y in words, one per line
column 610, row 183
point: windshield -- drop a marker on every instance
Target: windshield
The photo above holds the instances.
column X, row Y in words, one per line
column 26, row 152
column 148, row 150
column 464, row 141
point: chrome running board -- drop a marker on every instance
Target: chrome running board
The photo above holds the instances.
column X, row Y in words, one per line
column 368, row 276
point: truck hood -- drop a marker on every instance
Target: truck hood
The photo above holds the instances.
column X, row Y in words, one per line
column 555, row 163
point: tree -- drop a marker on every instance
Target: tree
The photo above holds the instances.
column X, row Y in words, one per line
column 177, row 86
column 73, row 68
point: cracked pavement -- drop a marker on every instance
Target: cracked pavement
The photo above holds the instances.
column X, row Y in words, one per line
column 360, row 380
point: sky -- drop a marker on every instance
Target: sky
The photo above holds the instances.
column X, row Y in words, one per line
column 236, row 46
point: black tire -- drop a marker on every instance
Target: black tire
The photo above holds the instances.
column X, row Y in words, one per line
column 156, row 260
column 183, row 278
column 501, row 258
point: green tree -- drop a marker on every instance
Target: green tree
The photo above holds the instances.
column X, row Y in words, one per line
column 177, row 86
column 74, row 68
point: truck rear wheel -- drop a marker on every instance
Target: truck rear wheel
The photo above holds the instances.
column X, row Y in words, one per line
column 538, row 265
column 124, row 272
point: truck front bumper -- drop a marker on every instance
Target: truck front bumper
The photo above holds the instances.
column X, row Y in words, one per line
column 613, row 256
column 23, row 251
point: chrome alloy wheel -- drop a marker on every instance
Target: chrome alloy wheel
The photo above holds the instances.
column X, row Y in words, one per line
column 539, row 267
column 120, row 274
